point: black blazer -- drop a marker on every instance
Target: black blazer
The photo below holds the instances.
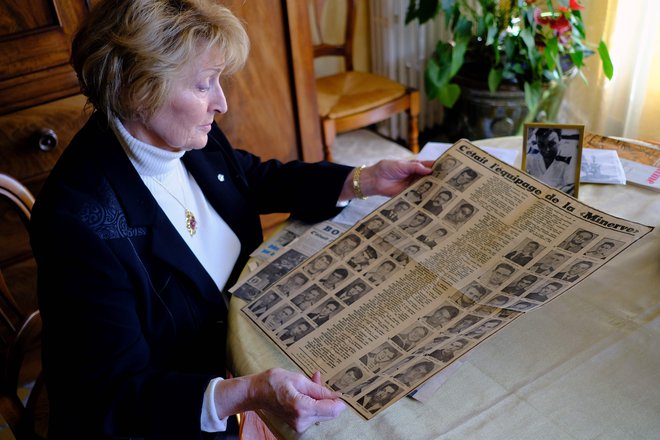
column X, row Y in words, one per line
column 134, row 327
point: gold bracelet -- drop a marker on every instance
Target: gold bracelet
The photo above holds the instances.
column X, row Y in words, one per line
column 357, row 189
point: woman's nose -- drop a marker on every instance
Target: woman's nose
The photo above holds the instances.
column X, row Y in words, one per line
column 220, row 102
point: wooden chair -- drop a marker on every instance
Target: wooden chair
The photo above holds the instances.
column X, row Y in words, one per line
column 352, row 99
column 20, row 340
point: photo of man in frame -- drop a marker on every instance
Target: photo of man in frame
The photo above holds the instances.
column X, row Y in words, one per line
column 552, row 154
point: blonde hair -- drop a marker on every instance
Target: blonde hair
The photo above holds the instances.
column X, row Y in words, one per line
column 128, row 52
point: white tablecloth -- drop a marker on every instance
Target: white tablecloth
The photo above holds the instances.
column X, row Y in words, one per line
column 585, row 366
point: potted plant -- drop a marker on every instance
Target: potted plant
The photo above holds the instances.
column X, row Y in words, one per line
column 532, row 46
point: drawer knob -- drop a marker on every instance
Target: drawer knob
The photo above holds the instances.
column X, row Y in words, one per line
column 46, row 139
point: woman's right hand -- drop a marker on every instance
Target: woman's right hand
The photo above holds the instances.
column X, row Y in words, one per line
column 297, row 400
column 292, row 397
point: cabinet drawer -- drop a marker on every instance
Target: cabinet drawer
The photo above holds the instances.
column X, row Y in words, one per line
column 20, row 152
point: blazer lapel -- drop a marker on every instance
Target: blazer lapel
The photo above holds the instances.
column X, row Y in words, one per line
column 225, row 189
column 219, row 185
column 141, row 209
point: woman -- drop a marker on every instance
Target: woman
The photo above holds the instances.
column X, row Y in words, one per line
column 149, row 216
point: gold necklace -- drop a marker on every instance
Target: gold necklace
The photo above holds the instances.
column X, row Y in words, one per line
column 191, row 221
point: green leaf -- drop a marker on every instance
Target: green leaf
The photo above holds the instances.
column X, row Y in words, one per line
column 577, row 58
column 448, row 95
column 411, row 11
column 579, row 25
column 492, row 29
column 509, row 47
column 462, row 35
column 518, row 68
column 494, row 79
column 551, row 53
column 549, row 60
column 528, row 38
column 481, row 25
column 458, row 56
column 431, row 74
column 533, row 96
column 463, row 28
column 448, row 4
column 430, row 83
column 552, row 45
column 438, row 70
column 426, row 11
column 445, row 58
column 608, row 68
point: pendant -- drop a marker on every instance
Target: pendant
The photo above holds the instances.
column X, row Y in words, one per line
column 191, row 223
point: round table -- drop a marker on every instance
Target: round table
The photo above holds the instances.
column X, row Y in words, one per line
column 584, row 366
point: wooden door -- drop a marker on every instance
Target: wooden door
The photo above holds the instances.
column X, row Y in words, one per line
column 272, row 103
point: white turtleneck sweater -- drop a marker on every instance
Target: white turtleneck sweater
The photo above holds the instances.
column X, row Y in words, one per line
column 215, row 245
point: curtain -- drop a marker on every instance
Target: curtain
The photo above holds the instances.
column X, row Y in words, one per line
column 629, row 104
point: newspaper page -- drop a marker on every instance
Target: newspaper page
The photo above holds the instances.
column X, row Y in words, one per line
column 284, row 251
column 299, row 240
column 645, row 154
column 433, row 272
column 641, row 161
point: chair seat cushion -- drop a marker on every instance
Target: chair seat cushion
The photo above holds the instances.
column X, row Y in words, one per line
column 347, row 93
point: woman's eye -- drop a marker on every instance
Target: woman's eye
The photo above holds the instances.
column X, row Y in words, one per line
column 203, row 88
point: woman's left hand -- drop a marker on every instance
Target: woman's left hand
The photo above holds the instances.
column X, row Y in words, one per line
column 387, row 178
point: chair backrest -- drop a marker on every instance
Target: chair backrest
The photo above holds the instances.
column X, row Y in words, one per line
column 20, row 332
column 343, row 49
column 18, row 194
column 17, row 205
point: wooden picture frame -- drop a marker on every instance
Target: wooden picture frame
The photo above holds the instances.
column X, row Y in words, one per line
column 559, row 166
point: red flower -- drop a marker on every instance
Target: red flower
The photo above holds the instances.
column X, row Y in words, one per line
column 574, row 5
column 539, row 19
column 559, row 24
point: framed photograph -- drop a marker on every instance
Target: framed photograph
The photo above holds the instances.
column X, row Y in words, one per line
column 552, row 153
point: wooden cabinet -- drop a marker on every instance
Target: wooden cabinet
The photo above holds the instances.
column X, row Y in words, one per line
column 35, row 45
column 39, row 103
